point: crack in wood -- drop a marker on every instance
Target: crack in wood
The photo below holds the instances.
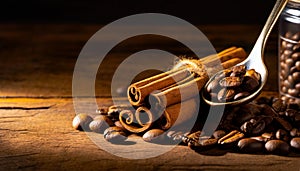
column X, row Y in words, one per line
column 24, row 108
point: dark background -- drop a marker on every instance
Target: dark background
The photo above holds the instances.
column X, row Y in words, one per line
column 103, row 12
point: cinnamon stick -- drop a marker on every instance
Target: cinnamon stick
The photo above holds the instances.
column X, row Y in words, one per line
column 133, row 122
column 138, row 92
column 180, row 113
column 178, row 93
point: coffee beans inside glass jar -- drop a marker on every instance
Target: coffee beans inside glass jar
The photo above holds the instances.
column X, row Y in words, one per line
column 289, row 52
column 289, row 67
column 233, row 84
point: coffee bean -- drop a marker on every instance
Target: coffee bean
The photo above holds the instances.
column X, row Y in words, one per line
column 100, row 123
column 279, row 105
column 219, row 134
column 232, row 137
column 102, row 110
column 259, row 138
column 226, row 94
column 213, row 86
column 154, row 136
column 81, row 122
column 115, row 134
column 249, row 145
column 284, row 124
column 238, row 81
column 230, row 82
column 295, row 132
column 239, row 69
column 296, row 48
column 252, row 73
column 267, row 136
column 295, row 143
column 288, row 35
column 278, row 147
column 289, row 69
column 296, row 37
column 250, row 84
column 282, row 135
column 207, row 142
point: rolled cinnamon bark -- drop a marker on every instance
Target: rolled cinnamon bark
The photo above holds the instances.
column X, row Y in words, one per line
column 178, row 93
column 137, row 92
column 137, row 122
column 180, row 113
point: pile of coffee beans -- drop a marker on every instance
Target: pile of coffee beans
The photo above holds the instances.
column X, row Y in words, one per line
column 233, row 84
column 289, row 70
column 265, row 126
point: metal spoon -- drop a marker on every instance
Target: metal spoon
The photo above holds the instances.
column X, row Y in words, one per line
column 255, row 58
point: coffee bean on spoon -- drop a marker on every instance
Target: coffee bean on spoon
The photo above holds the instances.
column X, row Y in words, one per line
column 231, row 82
column 226, row 94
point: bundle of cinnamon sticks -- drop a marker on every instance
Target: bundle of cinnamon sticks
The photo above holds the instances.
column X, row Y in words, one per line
column 161, row 98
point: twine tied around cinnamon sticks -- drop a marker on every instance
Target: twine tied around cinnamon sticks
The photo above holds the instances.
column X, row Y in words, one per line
column 160, row 99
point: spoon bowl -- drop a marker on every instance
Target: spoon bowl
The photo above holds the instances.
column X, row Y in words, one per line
column 253, row 61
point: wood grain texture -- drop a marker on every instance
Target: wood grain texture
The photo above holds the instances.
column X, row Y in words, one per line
column 45, row 140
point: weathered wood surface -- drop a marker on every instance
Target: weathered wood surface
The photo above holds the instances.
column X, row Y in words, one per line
column 43, row 139
column 35, row 133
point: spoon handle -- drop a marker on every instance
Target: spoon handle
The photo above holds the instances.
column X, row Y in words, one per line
column 259, row 46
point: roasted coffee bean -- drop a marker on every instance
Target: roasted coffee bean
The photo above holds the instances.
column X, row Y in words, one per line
column 295, row 143
column 176, row 136
column 213, row 85
column 226, row 94
column 241, row 69
column 279, row 105
column 268, row 110
column 81, row 122
column 206, row 143
column 252, row 73
column 232, row 137
column 102, row 110
column 259, row 138
column 154, row 136
column 282, row 135
column 256, row 125
column 289, row 68
column 115, row 134
column 238, row 81
column 250, row 84
column 230, row 82
column 268, row 136
column 241, row 95
column 284, row 124
column 295, row 132
column 291, row 113
column 249, row 145
column 219, row 134
column 100, row 123
column 278, row 147
column 263, row 100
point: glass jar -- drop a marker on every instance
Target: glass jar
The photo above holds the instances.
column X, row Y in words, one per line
column 289, row 53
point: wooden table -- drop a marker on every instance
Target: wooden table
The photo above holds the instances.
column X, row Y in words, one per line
column 36, row 105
